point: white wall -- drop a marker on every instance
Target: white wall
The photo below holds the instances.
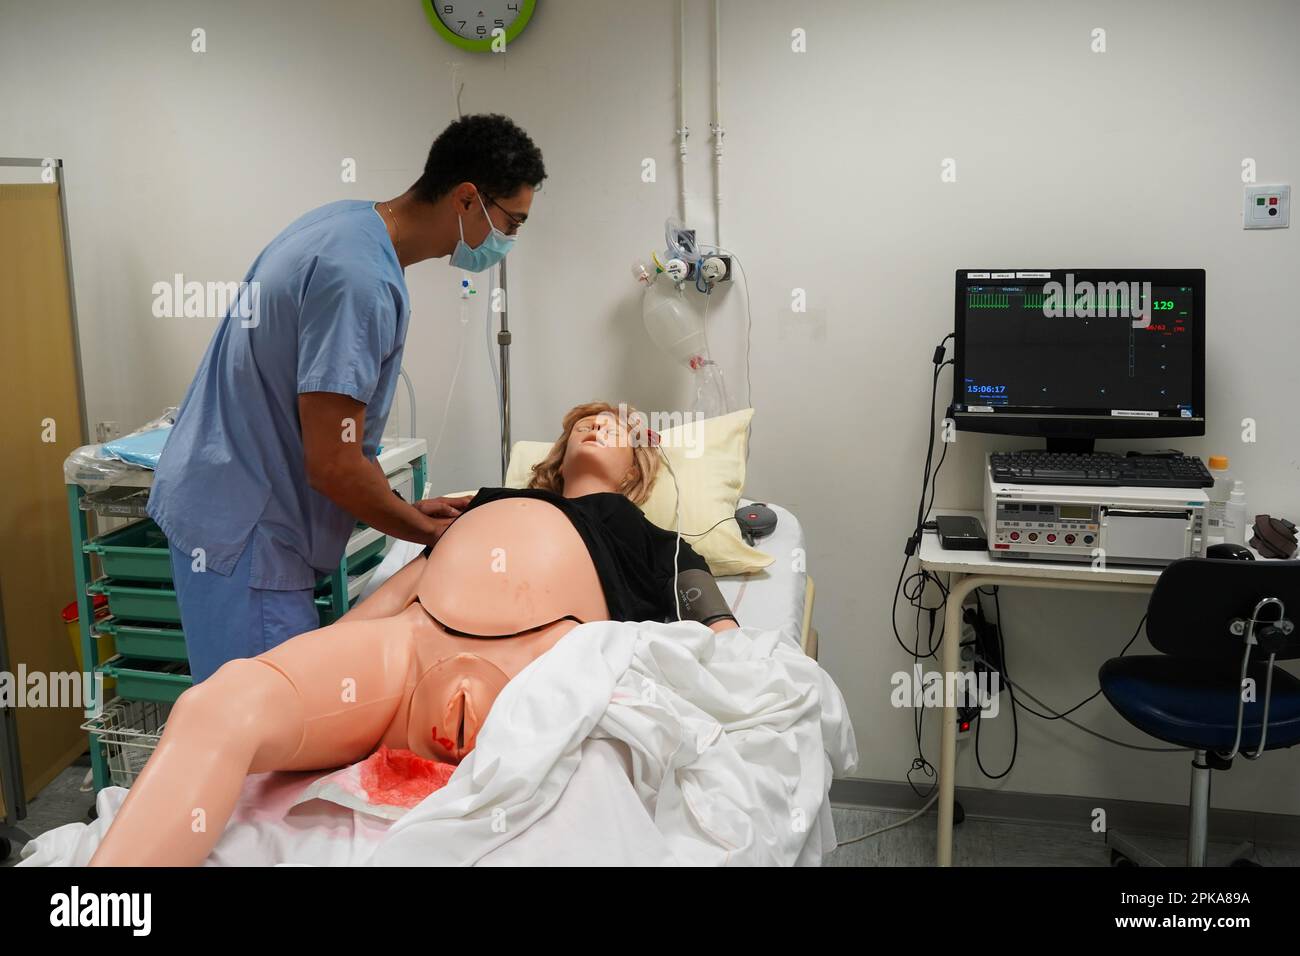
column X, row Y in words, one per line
column 180, row 162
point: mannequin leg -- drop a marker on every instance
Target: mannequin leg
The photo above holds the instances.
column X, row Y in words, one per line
column 321, row 699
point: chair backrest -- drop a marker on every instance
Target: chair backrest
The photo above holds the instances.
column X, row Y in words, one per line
column 1196, row 599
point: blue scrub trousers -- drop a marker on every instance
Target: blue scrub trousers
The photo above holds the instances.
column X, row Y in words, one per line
column 225, row 617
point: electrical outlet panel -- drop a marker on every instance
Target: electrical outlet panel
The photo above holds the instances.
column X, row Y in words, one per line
column 1266, row 207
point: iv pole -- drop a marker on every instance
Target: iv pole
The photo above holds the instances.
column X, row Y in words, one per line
column 503, row 341
column 503, row 334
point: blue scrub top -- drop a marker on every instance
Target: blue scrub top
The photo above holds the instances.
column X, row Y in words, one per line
column 329, row 314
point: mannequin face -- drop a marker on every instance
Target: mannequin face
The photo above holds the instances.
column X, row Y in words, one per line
column 599, row 447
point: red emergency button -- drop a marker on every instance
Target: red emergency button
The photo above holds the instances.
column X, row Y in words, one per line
column 1272, row 200
column 1051, row 538
column 1014, row 536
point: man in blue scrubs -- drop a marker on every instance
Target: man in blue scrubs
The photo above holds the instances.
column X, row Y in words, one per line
column 272, row 459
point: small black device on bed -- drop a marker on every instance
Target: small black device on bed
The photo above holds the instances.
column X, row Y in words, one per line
column 961, row 533
column 756, row 521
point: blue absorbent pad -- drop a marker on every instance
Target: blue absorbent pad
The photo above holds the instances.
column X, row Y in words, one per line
column 142, row 448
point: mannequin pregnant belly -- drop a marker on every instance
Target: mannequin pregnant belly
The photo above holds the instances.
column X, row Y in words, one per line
column 511, row 566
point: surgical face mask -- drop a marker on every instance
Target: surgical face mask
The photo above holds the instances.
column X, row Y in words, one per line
column 487, row 253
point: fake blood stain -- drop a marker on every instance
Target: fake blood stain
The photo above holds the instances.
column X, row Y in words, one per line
column 401, row 778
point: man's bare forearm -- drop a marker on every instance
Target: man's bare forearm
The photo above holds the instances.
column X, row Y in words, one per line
column 359, row 486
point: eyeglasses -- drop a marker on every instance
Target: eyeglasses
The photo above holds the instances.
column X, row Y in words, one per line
column 515, row 221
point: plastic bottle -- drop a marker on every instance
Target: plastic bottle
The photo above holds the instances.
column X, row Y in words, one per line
column 1218, row 495
column 672, row 322
column 1234, row 515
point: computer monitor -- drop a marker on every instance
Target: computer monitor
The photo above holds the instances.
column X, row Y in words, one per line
column 1074, row 355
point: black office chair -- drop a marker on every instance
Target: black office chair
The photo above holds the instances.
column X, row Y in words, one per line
column 1220, row 627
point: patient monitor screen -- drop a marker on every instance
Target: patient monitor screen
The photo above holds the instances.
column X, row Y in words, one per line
column 1103, row 348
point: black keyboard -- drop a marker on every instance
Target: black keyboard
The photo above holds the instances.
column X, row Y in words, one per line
column 1099, row 468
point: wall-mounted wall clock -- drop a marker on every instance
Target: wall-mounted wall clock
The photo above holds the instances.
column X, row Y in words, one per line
column 468, row 24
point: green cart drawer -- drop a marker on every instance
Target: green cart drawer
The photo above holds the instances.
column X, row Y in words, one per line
column 137, row 552
column 161, row 681
column 355, row 561
column 325, row 608
column 140, row 640
column 139, row 602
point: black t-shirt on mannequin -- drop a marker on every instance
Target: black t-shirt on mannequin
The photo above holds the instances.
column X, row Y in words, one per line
column 633, row 557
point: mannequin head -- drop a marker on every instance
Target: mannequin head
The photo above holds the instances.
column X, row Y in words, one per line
column 599, row 451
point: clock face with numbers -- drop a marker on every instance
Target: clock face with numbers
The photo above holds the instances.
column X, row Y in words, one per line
column 474, row 24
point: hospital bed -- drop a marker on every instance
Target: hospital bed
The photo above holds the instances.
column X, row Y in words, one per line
column 598, row 819
column 779, row 595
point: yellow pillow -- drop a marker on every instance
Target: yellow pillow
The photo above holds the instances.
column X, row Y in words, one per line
column 709, row 459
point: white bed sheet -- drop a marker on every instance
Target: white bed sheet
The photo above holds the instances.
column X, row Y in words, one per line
column 598, row 821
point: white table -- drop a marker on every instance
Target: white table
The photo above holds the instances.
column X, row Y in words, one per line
column 975, row 569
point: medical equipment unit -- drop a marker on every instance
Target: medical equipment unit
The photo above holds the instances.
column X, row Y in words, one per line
column 1142, row 526
column 671, row 318
column 1073, row 356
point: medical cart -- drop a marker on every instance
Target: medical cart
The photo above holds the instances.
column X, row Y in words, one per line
column 149, row 664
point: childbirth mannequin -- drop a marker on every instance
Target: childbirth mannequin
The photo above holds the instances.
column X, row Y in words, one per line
column 418, row 664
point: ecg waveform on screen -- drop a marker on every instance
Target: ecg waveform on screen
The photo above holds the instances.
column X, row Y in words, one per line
column 988, row 300
column 1099, row 305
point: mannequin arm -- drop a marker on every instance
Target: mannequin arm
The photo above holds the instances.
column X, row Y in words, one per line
column 700, row 599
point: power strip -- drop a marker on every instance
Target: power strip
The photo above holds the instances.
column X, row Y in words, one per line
column 966, row 666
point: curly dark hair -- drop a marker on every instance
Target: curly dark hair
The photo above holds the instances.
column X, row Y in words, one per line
column 486, row 149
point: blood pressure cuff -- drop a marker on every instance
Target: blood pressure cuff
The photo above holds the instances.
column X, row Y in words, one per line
column 699, row 599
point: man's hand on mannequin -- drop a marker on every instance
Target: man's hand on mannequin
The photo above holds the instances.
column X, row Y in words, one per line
column 332, row 429
column 443, row 510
